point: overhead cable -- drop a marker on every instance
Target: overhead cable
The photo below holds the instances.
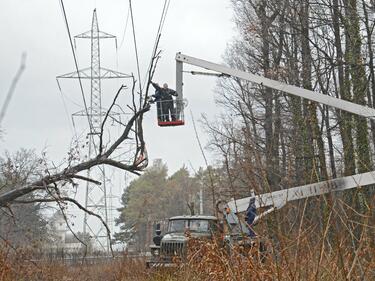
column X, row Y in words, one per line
column 136, row 49
column 75, row 62
column 126, row 27
column 158, row 34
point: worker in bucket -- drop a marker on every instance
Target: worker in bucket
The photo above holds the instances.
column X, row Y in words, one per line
column 157, row 98
column 166, row 103
column 251, row 213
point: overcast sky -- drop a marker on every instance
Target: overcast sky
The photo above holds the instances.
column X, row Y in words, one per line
column 36, row 117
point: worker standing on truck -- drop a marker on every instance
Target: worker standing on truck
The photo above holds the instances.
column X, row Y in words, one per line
column 251, row 213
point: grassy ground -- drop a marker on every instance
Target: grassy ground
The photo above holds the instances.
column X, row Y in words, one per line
column 313, row 252
column 206, row 261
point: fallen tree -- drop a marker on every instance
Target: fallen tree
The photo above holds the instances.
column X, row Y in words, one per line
column 48, row 186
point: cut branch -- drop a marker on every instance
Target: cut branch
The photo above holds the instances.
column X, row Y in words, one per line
column 106, row 117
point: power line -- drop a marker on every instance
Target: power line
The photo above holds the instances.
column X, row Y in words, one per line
column 65, row 108
column 71, row 124
column 165, row 16
column 136, row 49
column 70, row 100
column 158, row 33
column 123, row 37
column 162, row 18
column 126, row 27
column 75, row 62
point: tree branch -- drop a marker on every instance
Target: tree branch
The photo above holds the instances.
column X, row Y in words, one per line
column 75, row 202
column 85, row 179
column 106, row 117
column 128, row 127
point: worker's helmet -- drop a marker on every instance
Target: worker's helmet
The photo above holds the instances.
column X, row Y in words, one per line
column 165, row 86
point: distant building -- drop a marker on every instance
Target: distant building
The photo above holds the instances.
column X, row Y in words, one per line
column 63, row 239
column 58, row 228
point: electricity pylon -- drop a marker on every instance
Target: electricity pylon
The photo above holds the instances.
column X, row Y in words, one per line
column 97, row 198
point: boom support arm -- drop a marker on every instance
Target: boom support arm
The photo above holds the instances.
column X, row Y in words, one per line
column 277, row 199
column 276, row 85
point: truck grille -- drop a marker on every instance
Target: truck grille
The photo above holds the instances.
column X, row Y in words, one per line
column 172, row 248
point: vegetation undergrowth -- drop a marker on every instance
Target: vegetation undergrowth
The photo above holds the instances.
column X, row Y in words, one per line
column 293, row 258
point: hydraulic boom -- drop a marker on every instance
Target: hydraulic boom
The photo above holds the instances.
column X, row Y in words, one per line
column 274, row 84
column 277, row 199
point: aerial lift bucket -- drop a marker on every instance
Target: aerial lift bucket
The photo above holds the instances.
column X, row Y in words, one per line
column 170, row 113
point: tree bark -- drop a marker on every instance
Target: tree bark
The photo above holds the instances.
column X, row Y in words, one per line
column 312, row 133
column 345, row 118
column 359, row 82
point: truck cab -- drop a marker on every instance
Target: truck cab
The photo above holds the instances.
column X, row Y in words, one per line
column 173, row 244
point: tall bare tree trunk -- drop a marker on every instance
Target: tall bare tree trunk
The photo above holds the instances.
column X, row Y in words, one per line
column 369, row 31
column 265, row 22
column 297, row 118
column 359, row 82
column 313, row 135
column 344, row 89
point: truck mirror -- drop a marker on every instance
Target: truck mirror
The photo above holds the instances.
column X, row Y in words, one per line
column 157, row 229
column 220, row 226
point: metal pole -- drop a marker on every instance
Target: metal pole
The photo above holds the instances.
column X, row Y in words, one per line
column 201, row 201
column 179, row 79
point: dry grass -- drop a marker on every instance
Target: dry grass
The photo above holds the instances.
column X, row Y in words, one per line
column 311, row 253
column 20, row 267
column 208, row 261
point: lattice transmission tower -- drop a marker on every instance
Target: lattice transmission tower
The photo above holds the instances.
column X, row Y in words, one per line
column 97, row 198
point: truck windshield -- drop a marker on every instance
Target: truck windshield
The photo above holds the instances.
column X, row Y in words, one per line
column 176, row 226
column 199, row 225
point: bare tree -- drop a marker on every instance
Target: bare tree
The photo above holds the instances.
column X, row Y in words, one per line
column 50, row 183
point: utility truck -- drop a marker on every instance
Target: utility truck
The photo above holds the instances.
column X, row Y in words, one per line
column 174, row 243
column 171, row 248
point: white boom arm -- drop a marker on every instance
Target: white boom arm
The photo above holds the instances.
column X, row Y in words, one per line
column 277, row 199
column 293, row 90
